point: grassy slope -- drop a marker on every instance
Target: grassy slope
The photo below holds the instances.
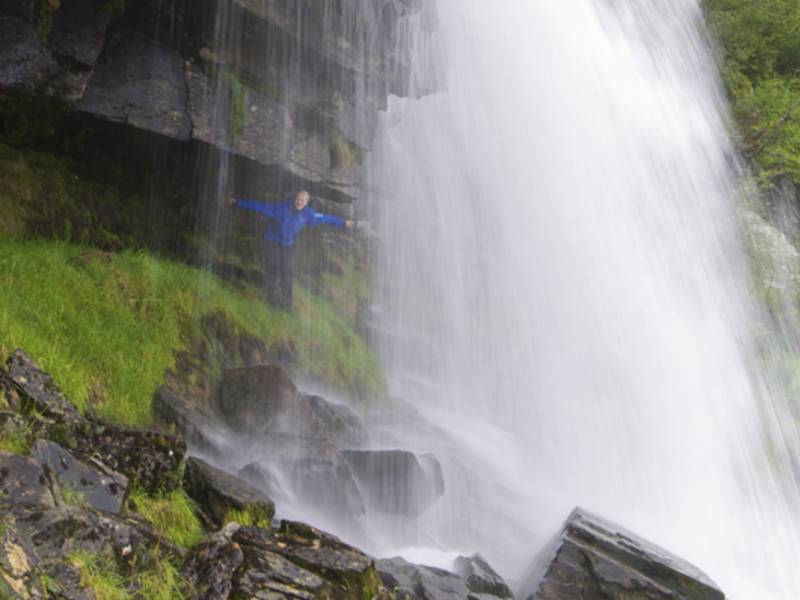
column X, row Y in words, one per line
column 108, row 327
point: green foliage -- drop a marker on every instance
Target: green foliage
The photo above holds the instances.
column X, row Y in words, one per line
column 99, row 574
column 344, row 154
column 108, row 326
column 74, row 497
column 41, row 196
column 250, row 517
column 15, row 440
column 760, row 46
column 171, row 515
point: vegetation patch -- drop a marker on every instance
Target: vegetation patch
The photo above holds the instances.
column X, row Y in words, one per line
column 249, row 517
column 760, row 63
column 100, row 574
column 171, row 515
column 108, row 326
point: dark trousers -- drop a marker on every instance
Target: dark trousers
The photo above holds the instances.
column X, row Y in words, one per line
column 280, row 274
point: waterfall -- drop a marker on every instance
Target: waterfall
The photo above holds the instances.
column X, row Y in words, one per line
column 565, row 303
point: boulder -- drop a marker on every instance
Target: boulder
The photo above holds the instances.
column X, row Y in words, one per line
column 263, row 478
column 594, row 558
column 349, row 573
column 416, row 581
column 268, row 574
column 328, row 480
column 37, row 390
column 100, row 487
column 264, row 401
column 396, row 481
column 149, row 459
column 225, row 497
column 24, row 482
column 18, row 566
column 480, row 577
column 210, row 566
column 197, row 429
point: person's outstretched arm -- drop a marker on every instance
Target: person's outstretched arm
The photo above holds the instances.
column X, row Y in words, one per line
column 270, row 209
column 318, row 218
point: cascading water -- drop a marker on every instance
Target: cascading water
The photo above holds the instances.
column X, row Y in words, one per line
column 565, row 301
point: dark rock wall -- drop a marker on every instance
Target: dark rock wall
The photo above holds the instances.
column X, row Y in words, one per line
column 294, row 86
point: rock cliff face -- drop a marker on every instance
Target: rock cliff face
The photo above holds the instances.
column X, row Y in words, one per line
column 294, row 87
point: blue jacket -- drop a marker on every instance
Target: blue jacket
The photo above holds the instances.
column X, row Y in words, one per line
column 286, row 221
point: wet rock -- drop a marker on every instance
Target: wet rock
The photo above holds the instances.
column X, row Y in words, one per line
column 594, row 558
column 333, row 481
column 350, row 572
column 18, row 566
column 480, row 577
column 264, row 400
column 51, row 51
column 141, row 83
column 100, row 487
column 24, row 482
column 37, row 390
column 269, row 575
column 197, row 429
column 397, row 481
column 220, row 493
column 416, row 581
column 211, row 564
column 263, row 478
column 149, row 459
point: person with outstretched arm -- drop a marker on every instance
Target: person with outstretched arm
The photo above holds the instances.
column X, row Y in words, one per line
column 286, row 220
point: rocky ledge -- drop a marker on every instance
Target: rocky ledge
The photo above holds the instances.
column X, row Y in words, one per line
column 67, row 518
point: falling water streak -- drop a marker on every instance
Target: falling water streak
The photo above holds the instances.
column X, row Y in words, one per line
column 566, row 296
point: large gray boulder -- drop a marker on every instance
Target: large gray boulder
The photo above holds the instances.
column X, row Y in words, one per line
column 97, row 485
column 23, row 482
column 263, row 401
column 210, row 566
column 304, row 559
column 592, row 558
column 396, row 481
column 409, row 581
column 224, row 496
column 480, row 577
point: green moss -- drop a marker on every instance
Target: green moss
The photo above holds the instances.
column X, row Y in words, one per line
column 171, row 515
column 99, row 575
column 238, row 112
column 115, row 8
column 40, row 195
column 344, row 154
column 44, row 18
column 108, row 326
column 74, row 497
column 252, row 516
column 16, row 441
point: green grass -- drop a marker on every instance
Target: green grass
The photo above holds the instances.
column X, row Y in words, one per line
column 171, row 515
column 107, row 326
column 74, row 497
column 100, row 575
column 16, row 441
column 248, row 517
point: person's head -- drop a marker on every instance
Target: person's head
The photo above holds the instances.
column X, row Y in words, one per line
column 301, row 200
